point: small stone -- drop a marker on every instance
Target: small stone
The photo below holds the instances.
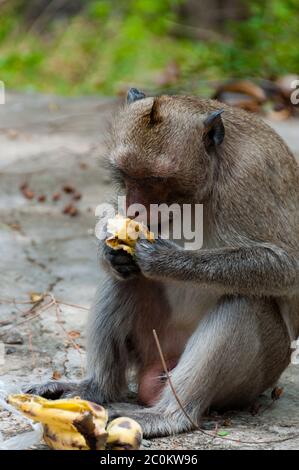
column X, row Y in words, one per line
column 10, row 350
column 146, row 443
column 13, row 337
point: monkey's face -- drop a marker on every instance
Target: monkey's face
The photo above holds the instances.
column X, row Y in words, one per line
column 159, row 151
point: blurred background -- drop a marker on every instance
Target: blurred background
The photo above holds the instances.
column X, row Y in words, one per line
column 75, row 47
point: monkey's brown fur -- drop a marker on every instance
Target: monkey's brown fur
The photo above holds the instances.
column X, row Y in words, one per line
column 226, row 314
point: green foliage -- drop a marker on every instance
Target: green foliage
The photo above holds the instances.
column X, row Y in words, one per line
column 116, row 43
column 266, row 44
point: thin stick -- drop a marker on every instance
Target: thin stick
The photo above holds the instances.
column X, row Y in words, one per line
column 30, row 302
column 69, row 338
column 31, row 317
column 72, row 305
column 170, row 381
column 31, row 348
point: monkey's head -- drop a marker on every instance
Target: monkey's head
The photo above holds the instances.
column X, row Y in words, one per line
column 163, row 148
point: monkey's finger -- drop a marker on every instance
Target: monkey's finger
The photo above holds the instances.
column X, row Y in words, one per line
column 127, row 271
column 119, row 257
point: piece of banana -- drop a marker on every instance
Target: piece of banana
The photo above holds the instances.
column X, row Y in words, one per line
column 75, row 424
column 125, row 232
column 124, row 434
column 69, row 424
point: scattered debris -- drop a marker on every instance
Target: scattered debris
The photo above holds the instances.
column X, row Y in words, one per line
column 77, row 196
column 222, row 433
column 56, row 196
column 10, row 350
column 277, row 392
column 5, row 322
column 56, row 375
column 68, row 189
column 74, row 334
column 34, row 297
column 27, row 193
column 71, row 210
column 15, row 226
column 13, row 337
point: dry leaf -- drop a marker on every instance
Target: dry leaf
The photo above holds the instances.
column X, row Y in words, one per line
column 74, row 334
column 15, row 226
column 27, row 193
column 276, row 393
column 67, row 188
column 56, row 375
column 71, row 210
column 34, row 297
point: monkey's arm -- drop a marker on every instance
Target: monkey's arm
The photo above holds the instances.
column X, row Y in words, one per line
column 255, row 270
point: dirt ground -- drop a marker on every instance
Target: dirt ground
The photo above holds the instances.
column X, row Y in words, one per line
column 48, row 143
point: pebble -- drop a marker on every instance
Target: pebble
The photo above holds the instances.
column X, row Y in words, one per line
column 13, row 337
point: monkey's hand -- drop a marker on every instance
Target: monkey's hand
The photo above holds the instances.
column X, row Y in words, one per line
column 152, row 258
column 121, row 263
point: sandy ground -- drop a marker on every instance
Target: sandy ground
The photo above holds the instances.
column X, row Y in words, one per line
column 48, row 143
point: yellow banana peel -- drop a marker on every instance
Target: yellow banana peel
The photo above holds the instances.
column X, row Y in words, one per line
column 75, row 424
column 125, row 233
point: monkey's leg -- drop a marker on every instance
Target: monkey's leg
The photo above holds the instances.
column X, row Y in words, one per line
column 238, row 350
column 107, row 353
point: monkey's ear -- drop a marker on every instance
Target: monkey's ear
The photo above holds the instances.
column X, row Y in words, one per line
column 155, row 116
column 134, row 95
column 213, row 128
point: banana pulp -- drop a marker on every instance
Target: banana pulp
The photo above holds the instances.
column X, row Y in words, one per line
column 75, row 424
column 125, row 232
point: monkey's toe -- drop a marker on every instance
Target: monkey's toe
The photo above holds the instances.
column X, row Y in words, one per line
column 50, row 390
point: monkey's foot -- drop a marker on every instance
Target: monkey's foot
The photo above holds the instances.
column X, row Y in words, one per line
column 53, row 390
column 153, row 423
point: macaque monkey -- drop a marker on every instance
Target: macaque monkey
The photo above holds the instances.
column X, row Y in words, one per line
column 225, row 314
